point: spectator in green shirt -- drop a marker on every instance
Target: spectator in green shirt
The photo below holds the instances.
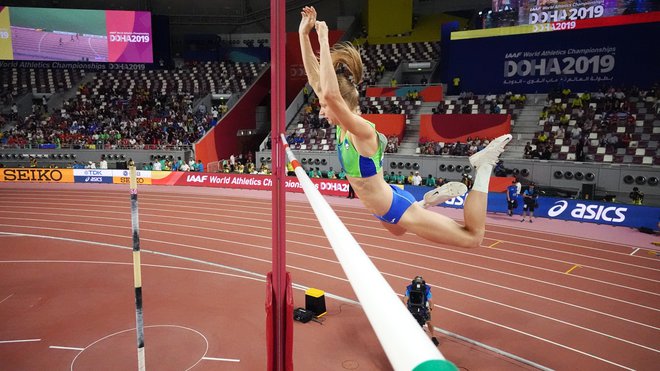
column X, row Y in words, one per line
column 430, row 181
column 331, row 174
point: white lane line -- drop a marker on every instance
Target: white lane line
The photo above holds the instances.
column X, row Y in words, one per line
column 539, row 338
column 89, row 42
column 492, row 258
column 18, row 341
column 378, row 258
column 536, row 256
column 66, row 348
column 40, row 40
column 633, row 253
column 220, row 359
column 3, row 300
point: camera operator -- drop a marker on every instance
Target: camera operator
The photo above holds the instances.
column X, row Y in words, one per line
column 418, row 301
column 636, row 196
column 530, row 202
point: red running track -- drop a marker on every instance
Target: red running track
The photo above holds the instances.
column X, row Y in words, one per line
column 527, row 299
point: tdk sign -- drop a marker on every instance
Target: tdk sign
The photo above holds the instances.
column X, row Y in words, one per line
column 582, row 211
column 93, row 172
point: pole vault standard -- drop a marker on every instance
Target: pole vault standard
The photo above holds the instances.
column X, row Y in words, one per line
column 405, row 343
column 137, row 271
column 279, row 302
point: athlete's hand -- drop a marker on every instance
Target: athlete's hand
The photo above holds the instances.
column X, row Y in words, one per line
column 322, row 30
column 308, row 20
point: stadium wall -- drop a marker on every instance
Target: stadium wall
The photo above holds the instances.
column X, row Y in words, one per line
column 458, row 127
column 388, row 124
column 45, row 156
column 221, row 141
column 609, row 178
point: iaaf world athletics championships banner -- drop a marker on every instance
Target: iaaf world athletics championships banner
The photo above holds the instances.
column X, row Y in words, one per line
column 88, row 66
column 329, row 187
column 539, row 60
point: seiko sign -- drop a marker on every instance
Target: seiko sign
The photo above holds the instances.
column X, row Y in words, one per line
column 590, row 212
column 33, row 175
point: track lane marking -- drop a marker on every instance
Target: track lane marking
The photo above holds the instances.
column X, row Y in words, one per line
column 40, row 40
column 540, row 339
column 220, row 359
column 468, row 253
column 364, row 244
column 345, row 209
column 572, row 268
column 19, row 341
column 66, row 348
column 462, row 252
column 564, row 346
column 5, row 299
column 340, row 298
column 316, row 272
column 378, row 227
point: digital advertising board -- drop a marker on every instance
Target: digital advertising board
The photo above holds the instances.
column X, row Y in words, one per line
column 583, row 55
column 43, row 34
column 546, row 11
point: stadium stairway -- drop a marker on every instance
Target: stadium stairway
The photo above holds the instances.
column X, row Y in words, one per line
column 411, row 138
column 525, row 126
column 386, row 79
column 56, row 100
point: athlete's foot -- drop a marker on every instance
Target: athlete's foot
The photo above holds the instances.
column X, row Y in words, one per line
column 492, row 152
column 523, row 219
column 530, row 221
column 442, row 194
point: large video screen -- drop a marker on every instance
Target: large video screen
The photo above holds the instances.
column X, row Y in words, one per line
column 519, row 12
column 42, row 34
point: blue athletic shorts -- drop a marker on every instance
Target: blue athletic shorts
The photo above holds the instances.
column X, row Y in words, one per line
column 401, row 201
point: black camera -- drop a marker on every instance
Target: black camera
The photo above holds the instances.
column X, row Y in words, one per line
column 302, row 315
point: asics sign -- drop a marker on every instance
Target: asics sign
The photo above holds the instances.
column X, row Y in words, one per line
column 596, row 212
column 456, row 201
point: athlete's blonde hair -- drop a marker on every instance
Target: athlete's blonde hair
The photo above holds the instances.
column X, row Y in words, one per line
column 348, row 64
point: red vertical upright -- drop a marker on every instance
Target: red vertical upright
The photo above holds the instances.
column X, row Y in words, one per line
column 280, row 357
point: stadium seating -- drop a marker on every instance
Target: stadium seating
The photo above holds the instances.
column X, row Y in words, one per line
column 37, row 81
column 153, row 108
column 390, row 55
column 632, row 120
